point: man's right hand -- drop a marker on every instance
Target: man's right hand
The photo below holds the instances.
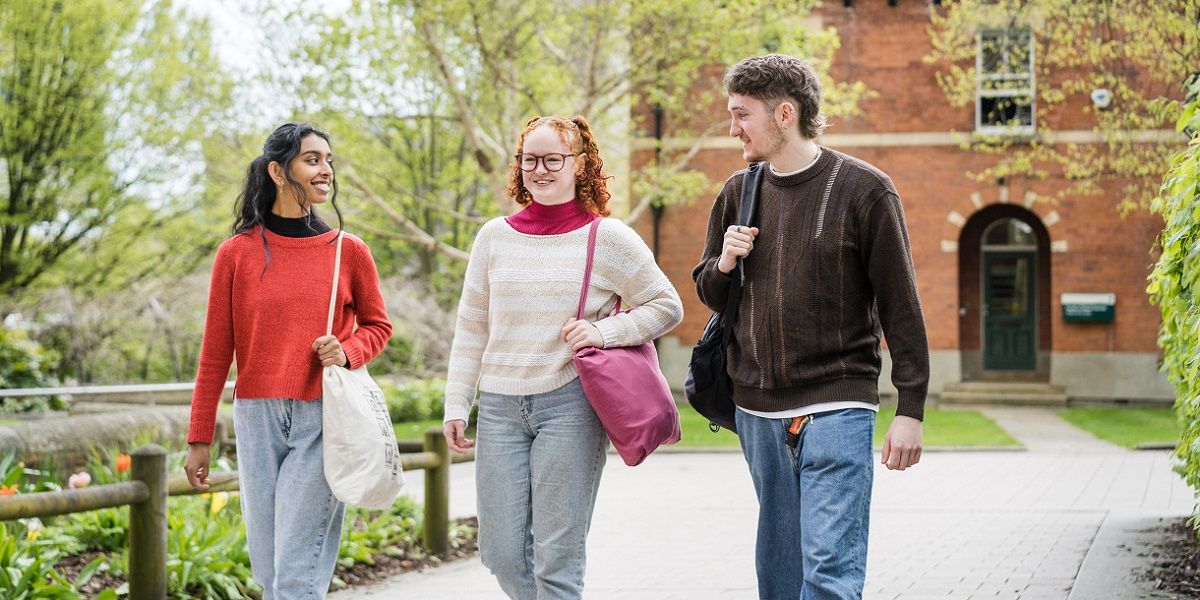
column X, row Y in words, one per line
column 739, row 241
column 195, row 466
column 456, row 435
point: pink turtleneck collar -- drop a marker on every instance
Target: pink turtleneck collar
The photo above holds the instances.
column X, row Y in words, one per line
column 540, row 219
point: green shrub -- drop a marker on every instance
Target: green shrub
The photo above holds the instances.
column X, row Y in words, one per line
column 206, row 542
column 400, row 355
column 104, row 529
column 15, row 477
column 416, row 400
column 206, row 550
column 22, row 363
column 27, row 570
column 367, row 534
column 1175, row 287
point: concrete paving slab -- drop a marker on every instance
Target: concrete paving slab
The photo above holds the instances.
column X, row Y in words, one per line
column 1119, row 550
column 1042, row 430
column 958, row 526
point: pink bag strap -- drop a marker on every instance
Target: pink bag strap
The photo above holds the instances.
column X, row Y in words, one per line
column 587, row 272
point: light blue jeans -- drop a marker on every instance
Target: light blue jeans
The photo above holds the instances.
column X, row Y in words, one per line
column 814, row 503
column 293, row 521
column 538, row 461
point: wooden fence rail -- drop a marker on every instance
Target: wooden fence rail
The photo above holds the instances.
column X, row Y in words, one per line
column 147, row 491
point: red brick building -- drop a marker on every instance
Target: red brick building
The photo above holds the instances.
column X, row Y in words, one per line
column 995, row 260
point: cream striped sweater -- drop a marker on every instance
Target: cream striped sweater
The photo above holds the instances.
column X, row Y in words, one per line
column 520, row 290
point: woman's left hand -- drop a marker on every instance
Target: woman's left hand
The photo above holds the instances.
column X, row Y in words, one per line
column 329, row 350
column 582, row 334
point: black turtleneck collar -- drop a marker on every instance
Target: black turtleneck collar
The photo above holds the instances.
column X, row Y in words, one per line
column 298, row 227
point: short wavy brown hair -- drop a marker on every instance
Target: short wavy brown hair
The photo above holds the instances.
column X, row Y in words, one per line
column 591, row 183
column 777, row 77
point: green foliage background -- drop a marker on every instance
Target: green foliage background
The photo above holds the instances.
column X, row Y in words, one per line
column 1175, row 287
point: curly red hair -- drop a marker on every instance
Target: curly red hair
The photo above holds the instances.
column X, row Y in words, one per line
column 591, row 183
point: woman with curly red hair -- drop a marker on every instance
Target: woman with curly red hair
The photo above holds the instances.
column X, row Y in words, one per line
column 541, row 448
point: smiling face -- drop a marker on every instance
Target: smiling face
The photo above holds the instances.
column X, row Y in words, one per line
column 311, row 170
column 546, row 186
column 763, row 138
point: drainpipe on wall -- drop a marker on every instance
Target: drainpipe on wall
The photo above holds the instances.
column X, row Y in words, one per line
column 656, row 209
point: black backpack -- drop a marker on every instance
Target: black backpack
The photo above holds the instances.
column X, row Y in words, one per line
column 708, row 387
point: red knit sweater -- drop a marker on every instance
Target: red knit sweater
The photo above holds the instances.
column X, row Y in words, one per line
column 269, row 320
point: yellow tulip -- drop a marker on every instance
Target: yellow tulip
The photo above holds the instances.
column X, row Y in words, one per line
column 219, row 500
column 32, row 528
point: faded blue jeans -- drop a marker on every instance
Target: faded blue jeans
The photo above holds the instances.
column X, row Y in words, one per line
column 814, row 503
column 293, row 521
column 538, row 461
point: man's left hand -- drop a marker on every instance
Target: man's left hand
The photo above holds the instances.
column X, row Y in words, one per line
column 902, row 446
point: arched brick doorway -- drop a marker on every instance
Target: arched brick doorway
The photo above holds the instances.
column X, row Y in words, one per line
column 1004, row 295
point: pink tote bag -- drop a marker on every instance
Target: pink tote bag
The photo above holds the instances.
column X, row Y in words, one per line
column 626, row 388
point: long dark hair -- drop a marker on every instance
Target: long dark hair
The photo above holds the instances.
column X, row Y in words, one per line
column 258, row 193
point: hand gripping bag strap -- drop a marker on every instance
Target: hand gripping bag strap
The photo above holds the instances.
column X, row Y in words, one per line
column 707, row 386
column 747, row 207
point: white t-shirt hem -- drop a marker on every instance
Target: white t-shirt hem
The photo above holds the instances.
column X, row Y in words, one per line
column 812, row 409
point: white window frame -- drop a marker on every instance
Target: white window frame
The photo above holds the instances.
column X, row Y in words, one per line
column 981, row 92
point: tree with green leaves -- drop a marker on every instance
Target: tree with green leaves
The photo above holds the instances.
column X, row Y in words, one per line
column 102, row 106
column 425, row 100
column 1175, row 287
column 1134, row 55
column 461, row 77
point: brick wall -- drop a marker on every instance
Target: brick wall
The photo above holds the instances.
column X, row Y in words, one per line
column 1091, row 248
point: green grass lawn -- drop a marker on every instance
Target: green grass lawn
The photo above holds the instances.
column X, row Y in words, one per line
column 415, row 430
column 697, row 435
column 1126, row 426
column 951, row 428
column 941, row 428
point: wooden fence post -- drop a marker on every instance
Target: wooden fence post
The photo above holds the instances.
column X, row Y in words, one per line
column 437, row 495
column 148, row 526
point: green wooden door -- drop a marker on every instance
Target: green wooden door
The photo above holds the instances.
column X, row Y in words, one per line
column 1009, row 322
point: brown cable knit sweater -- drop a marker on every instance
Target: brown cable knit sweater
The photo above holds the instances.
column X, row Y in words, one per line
column 830, row 272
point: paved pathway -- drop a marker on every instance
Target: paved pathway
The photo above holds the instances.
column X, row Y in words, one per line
column 1002, row 525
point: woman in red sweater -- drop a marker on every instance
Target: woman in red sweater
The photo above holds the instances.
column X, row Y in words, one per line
column 267, row 307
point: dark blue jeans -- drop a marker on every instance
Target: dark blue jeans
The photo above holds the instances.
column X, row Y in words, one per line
column 814, row 503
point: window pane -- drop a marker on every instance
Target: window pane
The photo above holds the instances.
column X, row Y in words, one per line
column 1009, row 232
column 1004, row 93
column 1010, row 278
column 1005, row 111
column 1005, row 52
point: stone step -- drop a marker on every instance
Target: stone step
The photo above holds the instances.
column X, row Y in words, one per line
column 1012, row 398
column 1019, row 387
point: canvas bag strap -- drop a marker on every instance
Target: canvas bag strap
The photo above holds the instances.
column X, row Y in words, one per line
column 337, row 270
column 747, row 207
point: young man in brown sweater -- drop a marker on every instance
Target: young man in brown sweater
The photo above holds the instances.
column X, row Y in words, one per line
column 828, row 272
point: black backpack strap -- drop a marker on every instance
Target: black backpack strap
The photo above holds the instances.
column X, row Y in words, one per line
column 747, row 209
